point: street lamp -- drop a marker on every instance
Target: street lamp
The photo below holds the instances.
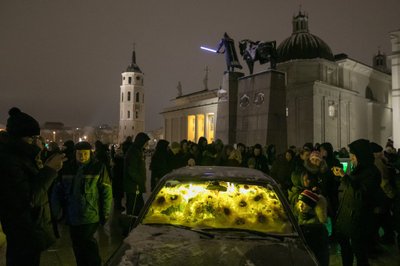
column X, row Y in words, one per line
column 54, row 136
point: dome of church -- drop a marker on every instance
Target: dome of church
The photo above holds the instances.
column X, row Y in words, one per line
column 302, row 44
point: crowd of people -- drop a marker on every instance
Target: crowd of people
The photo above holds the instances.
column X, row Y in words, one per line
column 356, row 208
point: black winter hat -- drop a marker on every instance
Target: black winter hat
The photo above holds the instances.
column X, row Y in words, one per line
column 21, row 125
column 83, row 145
column 361, row 149
column 375, row 147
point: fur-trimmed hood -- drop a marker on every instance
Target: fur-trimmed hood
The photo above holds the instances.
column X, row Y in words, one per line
column 315, row 169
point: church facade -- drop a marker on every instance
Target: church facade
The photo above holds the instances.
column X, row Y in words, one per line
column 327, row 98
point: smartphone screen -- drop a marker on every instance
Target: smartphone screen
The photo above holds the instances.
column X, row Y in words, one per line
column 345, row 165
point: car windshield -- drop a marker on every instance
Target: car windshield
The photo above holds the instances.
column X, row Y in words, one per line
column 219, row 204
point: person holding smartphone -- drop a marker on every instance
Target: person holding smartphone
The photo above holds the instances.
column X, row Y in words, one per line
column 357, row 199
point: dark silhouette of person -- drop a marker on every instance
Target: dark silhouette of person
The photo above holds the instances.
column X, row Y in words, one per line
column 134, row 179
column 24, row 182
column 227, row 47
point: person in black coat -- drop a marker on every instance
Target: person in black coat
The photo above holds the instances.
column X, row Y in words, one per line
column 159, row 164
column 24, row 208
column 134, row 180
column 357, row 200
column 282, row 169
column 331, row 184
column 117, row 179
column 261, row 162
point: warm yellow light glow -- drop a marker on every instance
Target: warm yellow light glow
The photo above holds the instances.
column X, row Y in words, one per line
column 200, row 126
column 210, row 127
column 191, row 129
column 219, row 205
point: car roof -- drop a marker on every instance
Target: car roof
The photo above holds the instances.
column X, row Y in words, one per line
column 220, row 172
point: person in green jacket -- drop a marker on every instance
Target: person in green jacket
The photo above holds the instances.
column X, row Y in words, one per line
column 84, row 195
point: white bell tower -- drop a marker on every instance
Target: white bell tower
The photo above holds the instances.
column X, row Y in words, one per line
column 132, row 107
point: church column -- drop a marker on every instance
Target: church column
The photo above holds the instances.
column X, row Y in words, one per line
column 395, row 56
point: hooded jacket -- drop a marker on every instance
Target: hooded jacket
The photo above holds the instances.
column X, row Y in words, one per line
column 159, row 165
column 135, row 166
column 358, row 192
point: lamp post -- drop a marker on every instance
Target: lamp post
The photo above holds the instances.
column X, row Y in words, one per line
column 54, row 136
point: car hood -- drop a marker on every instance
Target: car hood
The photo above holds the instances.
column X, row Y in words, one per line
column 167, row 245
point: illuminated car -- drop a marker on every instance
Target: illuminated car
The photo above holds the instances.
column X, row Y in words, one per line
column 215, row 216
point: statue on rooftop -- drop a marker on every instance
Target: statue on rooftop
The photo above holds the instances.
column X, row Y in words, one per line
column 227, row 47
column 263, row 52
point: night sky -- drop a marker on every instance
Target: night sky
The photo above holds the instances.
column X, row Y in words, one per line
column 62, row 60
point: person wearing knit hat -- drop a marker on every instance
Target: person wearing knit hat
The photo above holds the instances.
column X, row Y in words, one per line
column 21, row 125
column 312, row 217
column 84, row 195
column 308, row 197
column 23, row 190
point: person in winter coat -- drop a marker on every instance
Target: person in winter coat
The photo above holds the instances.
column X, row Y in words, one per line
column 24, row 208
column 312, row 216
column 177, row 158
column 282, row 169
column 261, row 160
column 117, row 179
column 331, row 184
column 300, row 158
column 382, row 213
column 301, row 180
column 357, row 201
column 135, row 174
column 83, row 194
column 159, row 164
